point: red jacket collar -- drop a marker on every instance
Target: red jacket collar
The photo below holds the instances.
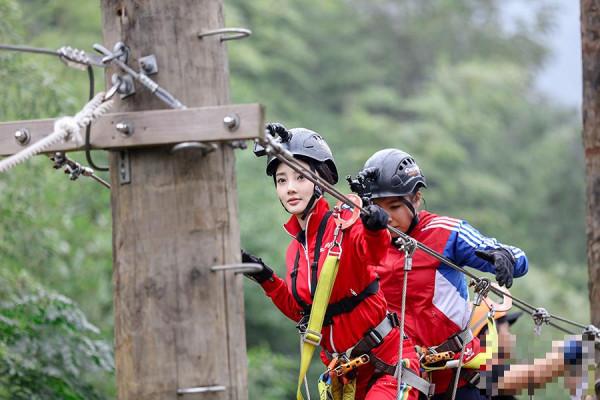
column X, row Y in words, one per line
column 292, row 226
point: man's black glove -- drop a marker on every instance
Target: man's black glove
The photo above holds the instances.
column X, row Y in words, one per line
column 261, row 276
column 375, row 218
column 504, row 262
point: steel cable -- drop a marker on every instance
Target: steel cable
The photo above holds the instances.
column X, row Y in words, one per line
column 277, row 150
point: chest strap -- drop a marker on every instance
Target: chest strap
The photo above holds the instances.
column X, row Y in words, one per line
column 349, row 303
column 345, row 305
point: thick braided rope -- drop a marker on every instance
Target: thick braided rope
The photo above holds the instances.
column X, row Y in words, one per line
column 64, row 129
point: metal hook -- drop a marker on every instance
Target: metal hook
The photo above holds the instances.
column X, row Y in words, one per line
column 204, row 148
column 238, row 268
column 228, row 33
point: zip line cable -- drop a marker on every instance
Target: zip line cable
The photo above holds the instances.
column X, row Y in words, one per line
column 276, row 149
column 28, row 49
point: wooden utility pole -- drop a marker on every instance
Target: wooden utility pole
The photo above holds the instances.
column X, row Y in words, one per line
column 179, row 328
column 590, row 45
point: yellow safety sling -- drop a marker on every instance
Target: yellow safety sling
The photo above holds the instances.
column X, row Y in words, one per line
column 491, row 346
column 311, row 338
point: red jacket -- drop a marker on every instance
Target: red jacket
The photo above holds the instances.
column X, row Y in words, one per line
column 361, row 250
column 437, row 301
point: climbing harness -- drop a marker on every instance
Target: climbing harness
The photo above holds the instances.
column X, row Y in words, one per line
column 344, row 364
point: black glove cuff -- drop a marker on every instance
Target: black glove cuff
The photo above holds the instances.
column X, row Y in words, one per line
column 264, row 275
column 507, row 253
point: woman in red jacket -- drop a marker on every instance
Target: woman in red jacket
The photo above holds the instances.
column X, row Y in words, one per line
column 357, row 321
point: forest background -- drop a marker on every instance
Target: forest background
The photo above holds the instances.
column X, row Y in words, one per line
column 444, row 80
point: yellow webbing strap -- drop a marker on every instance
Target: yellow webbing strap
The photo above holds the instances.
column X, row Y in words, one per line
column 491, row 346
column 312, row 337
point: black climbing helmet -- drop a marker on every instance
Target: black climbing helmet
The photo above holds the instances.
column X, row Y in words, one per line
column 305, row 145
column 392, row 172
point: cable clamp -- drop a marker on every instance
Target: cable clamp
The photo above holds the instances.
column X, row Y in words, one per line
column 540, row 316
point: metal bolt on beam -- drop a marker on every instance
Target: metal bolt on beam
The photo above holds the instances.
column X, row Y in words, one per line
column 22, row 136
column 125, row 128
column 231, row 122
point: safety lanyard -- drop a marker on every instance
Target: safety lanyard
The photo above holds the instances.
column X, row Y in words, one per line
column 311, row 337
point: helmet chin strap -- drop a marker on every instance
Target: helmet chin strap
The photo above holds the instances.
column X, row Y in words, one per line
column 317, row 193
column 415, row 218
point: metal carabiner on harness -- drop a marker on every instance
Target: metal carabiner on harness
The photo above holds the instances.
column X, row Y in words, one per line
column 350, row 365
column 481, row 288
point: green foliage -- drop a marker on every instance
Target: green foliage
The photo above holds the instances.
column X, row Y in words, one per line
column 47, row 348
column 271, row 376
column 444, row 80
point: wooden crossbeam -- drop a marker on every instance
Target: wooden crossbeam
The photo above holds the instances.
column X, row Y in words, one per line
column 150, row 128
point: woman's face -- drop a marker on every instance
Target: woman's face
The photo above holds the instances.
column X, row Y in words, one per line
column 293, row 189
column 400, row 215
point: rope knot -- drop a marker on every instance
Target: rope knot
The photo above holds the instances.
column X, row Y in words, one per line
column 70, row 126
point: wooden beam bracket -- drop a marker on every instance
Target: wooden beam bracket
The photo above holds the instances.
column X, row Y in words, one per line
column 229, row 123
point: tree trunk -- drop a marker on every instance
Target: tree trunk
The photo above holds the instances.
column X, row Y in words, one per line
column 590, row 44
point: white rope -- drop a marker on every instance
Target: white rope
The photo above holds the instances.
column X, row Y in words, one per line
column 66, row 128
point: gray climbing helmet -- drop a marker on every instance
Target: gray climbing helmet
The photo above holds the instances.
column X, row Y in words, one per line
column 305, row 144
column 392, row 172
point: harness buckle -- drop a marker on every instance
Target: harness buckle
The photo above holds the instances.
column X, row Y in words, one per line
column 394, row 320
column 375, row 337
column 457, row 341
column 312, row 337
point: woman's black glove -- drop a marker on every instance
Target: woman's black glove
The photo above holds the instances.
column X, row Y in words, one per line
column 277, row 129
column 375, row 218
column 261, row 276
column 504, row 262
